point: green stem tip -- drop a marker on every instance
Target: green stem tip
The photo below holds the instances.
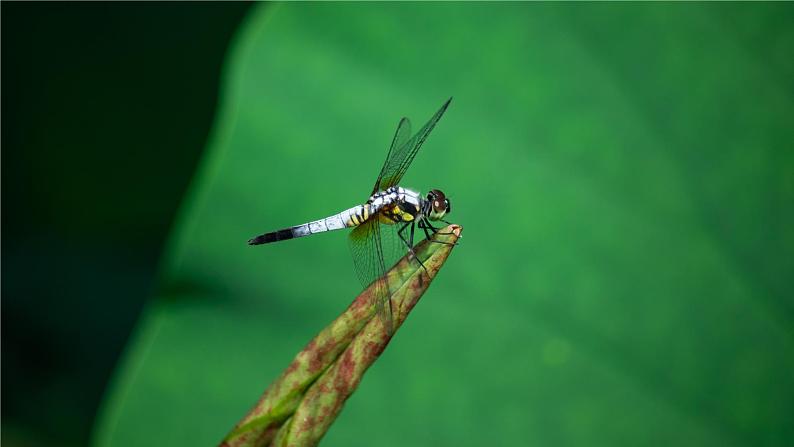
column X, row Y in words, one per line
column 300, row 405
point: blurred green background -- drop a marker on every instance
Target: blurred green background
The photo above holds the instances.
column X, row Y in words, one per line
column 105, row 111
column 624, row 174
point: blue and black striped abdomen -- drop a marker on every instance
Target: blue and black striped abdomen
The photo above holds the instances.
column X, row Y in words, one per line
column 352, row 217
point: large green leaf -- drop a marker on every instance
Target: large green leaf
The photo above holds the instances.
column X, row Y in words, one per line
column 625, row 176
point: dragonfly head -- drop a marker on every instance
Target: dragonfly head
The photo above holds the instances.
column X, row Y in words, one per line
column 439, row 205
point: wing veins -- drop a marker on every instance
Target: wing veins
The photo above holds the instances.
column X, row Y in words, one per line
column 400, row 157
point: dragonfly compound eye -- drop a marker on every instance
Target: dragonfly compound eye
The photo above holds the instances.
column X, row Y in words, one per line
column 439, row 202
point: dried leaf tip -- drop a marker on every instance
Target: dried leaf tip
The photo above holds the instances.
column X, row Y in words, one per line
column 298, row 407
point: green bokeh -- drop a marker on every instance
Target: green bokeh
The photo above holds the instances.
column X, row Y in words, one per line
column 624, row 175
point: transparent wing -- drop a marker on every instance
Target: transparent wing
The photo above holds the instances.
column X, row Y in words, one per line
column 373, row 245
column 366, row 247
column 401, row 137
column 404, row 149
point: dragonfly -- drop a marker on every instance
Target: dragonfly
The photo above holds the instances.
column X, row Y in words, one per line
column 390, row 210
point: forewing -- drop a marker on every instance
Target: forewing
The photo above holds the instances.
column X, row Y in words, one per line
column 375, row 246
column 400, row 156
column 366, row 247
column 401, row 137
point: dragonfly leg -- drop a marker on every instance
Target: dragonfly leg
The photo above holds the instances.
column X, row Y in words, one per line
column 427, row 226
column 402, row 238
column 436, row 230
column 424, row 226
column 449, row 223
column 410, row 243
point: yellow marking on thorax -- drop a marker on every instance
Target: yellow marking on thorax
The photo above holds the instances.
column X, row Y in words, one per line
column 406, row 217
column 392, row 214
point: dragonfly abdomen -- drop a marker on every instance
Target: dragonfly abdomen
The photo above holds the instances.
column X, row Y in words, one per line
column 351, row 217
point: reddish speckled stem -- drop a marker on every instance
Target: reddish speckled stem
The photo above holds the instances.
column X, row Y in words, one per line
column 298, row 408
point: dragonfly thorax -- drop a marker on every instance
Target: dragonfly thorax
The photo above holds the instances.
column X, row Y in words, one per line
column 396, row 204
column 401, row 204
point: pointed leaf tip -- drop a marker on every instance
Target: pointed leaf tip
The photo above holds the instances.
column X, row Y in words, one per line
column 298, row 408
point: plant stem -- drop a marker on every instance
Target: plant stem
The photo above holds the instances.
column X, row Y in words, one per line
column 299, row 407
